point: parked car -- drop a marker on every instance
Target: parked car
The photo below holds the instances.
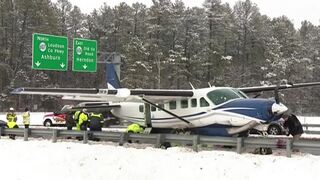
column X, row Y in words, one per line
column 274, row 128
column 2, row 123
column 56, row 118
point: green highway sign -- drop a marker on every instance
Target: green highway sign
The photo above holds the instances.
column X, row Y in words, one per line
column 49, row 52
column 84, row 55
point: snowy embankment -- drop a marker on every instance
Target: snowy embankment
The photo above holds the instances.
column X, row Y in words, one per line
column 41, row 159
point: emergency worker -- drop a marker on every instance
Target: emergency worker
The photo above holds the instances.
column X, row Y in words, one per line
column 76, row 119
column 83, row 120
column 96, row 120
column 12, row 122
column 26, row 118
column 134, row 128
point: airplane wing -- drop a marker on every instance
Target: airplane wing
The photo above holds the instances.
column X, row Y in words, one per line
column 103, row 95
column 274, row 87
column 134, row 95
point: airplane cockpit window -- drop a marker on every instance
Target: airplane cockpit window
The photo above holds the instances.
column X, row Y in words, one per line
column 241, row 93
column 220, row 96
column 203, row 102
column 153, row 108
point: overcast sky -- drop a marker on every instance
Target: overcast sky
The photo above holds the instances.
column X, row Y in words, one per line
column 295, row 10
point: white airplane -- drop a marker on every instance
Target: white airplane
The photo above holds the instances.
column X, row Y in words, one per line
column 214, row 111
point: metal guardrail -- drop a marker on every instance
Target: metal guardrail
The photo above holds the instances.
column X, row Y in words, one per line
column 308, row 126
column 308, row 145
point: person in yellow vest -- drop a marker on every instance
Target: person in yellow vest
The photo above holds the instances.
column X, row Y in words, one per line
column 12, row 121
column 26, row 118
column 83, row 120
column 134, row 128
column 76, row 119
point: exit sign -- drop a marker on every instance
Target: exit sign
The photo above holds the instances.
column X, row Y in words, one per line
column 84, row 55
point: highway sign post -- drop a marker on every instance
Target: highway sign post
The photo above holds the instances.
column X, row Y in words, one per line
column 49, row 52
column 84, row 55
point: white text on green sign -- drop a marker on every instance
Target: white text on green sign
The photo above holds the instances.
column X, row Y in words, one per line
column 49, row 52
column 84, row 55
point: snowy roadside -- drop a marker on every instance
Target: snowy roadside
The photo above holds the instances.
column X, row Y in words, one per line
column 41, row 159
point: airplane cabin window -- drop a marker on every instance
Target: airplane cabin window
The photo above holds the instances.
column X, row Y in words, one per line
column 184, row 103
column 203, row 102
column 172, row 105
column 220, row 96
column 141, row 108
column 194, row 102
column 162, row 106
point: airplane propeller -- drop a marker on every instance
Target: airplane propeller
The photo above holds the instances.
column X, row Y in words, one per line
column 278, row 108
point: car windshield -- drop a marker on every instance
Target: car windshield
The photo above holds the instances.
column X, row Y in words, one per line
column 220, row 96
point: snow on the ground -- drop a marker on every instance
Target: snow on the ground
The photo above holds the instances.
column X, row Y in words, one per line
column 38, row 159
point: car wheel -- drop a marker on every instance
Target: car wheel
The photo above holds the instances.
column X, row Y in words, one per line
column 274, row 130
column 47, row 123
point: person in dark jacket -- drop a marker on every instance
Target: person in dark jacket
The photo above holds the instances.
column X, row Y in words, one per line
column 69, row 120
column 96, row 120
column 293, row 124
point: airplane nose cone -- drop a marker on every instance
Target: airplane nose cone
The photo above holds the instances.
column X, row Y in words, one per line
column 278, row 108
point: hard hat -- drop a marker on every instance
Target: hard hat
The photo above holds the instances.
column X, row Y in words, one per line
column 11, row 109
column 84, row 110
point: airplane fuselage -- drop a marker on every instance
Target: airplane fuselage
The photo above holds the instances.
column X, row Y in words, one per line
column 210, row 106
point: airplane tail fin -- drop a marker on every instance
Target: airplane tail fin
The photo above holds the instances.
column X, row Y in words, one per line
column 112, row 80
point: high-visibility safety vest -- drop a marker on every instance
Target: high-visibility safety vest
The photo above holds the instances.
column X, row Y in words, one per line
column 83, row 117
column 11, row 117
column 76, row 115
column 96, row 115
column 26, row 117
column 11, row 124
column 135, row 128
